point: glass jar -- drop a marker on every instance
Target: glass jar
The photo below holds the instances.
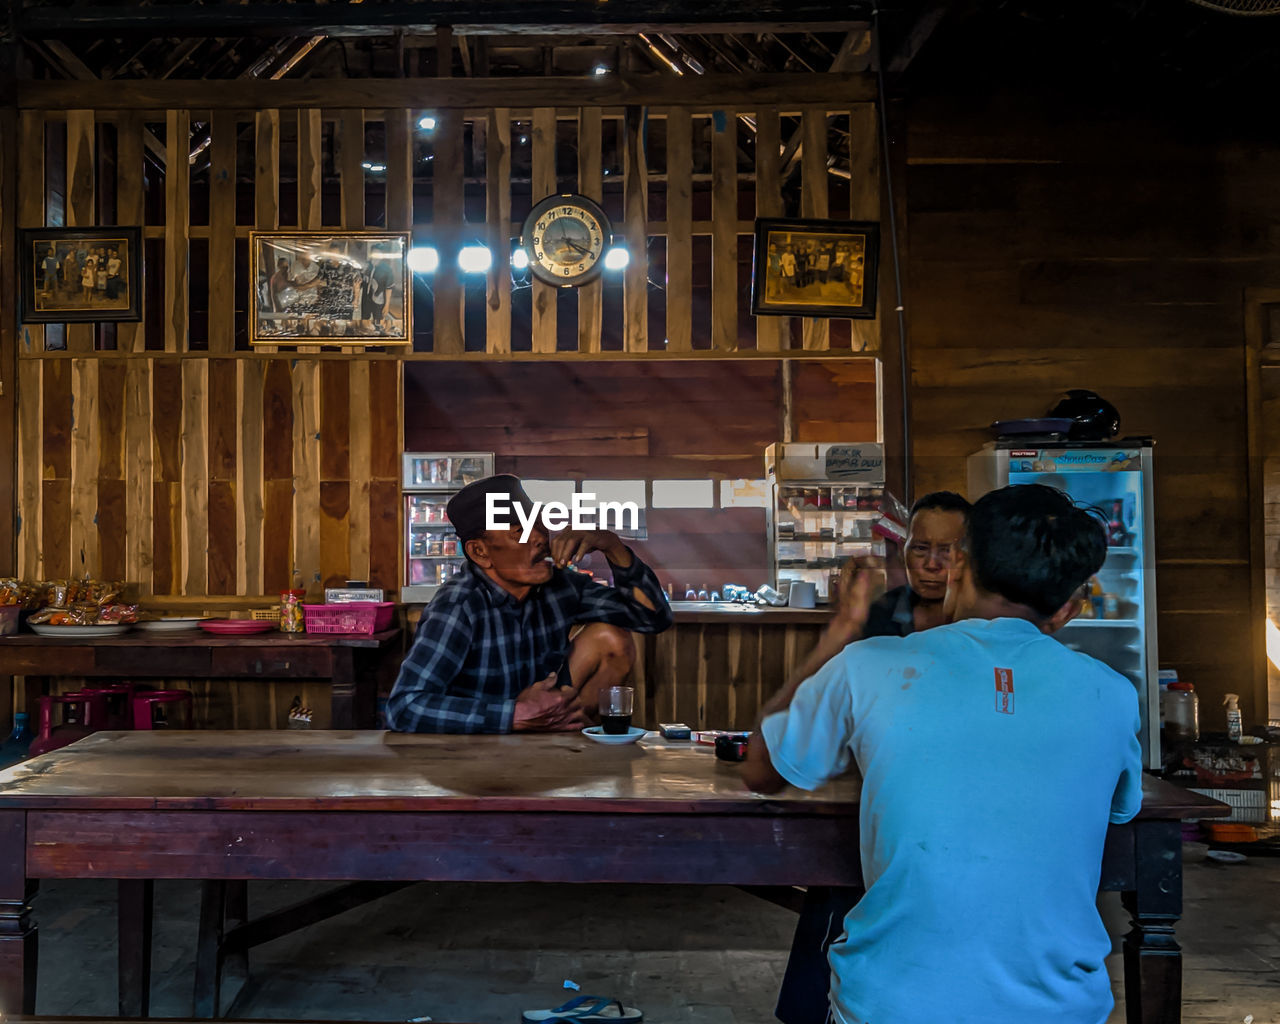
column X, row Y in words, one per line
column 1180, row 710
column 291, row 620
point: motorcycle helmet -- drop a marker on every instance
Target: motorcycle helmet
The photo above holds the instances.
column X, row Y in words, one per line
column 1093, row 418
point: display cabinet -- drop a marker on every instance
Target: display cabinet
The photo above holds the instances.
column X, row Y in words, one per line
column 432, row 551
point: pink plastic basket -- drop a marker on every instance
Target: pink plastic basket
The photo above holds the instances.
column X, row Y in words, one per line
column 350, row 617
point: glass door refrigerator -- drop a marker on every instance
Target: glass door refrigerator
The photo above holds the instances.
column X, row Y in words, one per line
column 432, row 552
column 824, row 499
column 1118, row 625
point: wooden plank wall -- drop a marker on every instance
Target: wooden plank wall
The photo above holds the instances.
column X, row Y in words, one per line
column 1111, row 253
column 179, row 462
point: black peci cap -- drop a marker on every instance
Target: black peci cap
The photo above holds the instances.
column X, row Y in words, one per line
column 467, row 510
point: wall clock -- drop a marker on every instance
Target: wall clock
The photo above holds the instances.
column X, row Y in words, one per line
column 566, row 237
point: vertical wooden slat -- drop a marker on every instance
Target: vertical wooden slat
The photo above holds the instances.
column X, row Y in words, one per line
column 446, row 224
column 130, row 211
column 195, row 476
column 724, row 233
column 864, row 203
column 80, row 205
column 385, row 398
column 250, row 374
column 399, row 174
column 31, row 202
column 335, row 472
column 351, row 168
column 679, row 230
column 166, row 519
column 112, row 520
column 30, row 471
column 310, row 157
column 497, row 183
column 813, row 201
column 84, row 468
column 55, row 497
column 222, row 231
column 223, row 433
column 635, row 203
column 9, row 385
column 277, row 476
column 772, row 332
column 138, row 489
column 361, row 464
column 306, row 471
column 591, row 185
column 543, row 185
column 177, row 194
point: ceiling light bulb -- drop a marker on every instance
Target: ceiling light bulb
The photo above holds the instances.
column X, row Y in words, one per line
column 475, row 259
column 616, row 258
column 423, row 259
column 520, row 259
column 427, row 123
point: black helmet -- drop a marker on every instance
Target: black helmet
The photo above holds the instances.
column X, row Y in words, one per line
column 1095, row 419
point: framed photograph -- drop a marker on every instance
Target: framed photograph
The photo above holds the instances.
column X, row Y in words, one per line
column 330, row 288
column 822, row 268
column 73, row 275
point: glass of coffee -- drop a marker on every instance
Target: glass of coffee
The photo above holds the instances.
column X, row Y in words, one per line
column 615, row 709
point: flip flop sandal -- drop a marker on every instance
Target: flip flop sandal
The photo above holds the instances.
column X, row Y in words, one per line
column 588, row 1010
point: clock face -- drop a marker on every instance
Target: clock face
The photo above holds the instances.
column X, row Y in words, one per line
column 565, row 237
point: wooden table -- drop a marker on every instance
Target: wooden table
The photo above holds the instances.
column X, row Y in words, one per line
column 393, row 808
column 351, row 662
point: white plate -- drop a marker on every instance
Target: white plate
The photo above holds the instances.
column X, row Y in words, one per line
column 111, row 629
column 172, row 625
column 594, row 732
column 1226, row 856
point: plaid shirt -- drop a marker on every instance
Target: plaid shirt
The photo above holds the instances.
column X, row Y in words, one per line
column 477, row 647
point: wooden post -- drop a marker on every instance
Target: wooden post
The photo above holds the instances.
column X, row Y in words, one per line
column 194, row 534
column 447, row 224
column 177, row 193
column 131, row 337
column 250, row 374
column 80, row 201
column 84, row 468
column 724, row 232
column 773, row 333
column 679, row 230
column 497, row 184
column 266, row 182
column 591, row 185
column 544, row 184
column 864, row 204
column 351, row 168
column 635, row 200
column 222, row 232
column 813, row 200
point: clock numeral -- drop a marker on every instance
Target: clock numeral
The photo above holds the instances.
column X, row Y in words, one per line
column 566, row 271
column 538, row 254
column 536, row 239
column 582, row 266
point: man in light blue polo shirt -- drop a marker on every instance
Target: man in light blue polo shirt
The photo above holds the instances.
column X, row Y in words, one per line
column 993, row 759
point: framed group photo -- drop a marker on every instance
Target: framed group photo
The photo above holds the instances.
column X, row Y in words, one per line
column 75, row 275
column 818, row 268
column 330, row 287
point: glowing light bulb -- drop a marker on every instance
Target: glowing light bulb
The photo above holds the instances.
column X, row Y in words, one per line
column 616, row 258
column 423, row 259
column 475, row 259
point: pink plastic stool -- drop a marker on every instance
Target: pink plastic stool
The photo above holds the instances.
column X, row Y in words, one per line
column 82, row 713
column 148, row 703
column 118, row 704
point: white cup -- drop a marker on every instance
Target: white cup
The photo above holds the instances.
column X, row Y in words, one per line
column 803, row 594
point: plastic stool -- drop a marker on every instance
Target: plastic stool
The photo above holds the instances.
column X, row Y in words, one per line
column 118, row 704
column 147, row 703
column 82, row 713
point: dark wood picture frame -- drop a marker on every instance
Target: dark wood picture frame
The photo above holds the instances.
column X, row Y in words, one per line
column 93, row 274
column 815, row 268
column 329, row 292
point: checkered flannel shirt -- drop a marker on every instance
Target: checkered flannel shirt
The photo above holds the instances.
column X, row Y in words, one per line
column 477, row 647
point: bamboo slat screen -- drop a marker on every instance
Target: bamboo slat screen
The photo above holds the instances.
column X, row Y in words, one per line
column 169, row 453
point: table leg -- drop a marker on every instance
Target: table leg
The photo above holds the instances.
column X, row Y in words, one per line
column 1152, row 957
column 342, row 699
column 208, row 986
column 136, row 899
column 18, row 947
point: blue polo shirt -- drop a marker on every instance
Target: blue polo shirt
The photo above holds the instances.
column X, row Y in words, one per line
column 993, row 759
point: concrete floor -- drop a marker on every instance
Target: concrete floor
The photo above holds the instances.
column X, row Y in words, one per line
column 484, row 953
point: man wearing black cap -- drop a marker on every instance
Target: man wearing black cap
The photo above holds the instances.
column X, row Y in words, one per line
column 493, row 653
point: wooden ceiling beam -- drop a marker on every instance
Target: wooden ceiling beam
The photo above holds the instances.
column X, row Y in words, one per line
column 466, row 17
column 712, row 92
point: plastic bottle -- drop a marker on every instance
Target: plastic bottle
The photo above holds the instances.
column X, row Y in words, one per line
column 702, row 593
column 1235, row 725
column 18, row 745
column 1182, row 713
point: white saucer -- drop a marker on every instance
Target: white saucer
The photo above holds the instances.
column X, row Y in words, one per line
column 594, row 732
column 170, row 625
column 1226, row 856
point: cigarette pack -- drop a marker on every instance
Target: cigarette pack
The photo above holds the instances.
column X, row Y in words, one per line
column 345, row 595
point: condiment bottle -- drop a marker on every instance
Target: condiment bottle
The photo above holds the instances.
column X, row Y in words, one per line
column 1235, row 725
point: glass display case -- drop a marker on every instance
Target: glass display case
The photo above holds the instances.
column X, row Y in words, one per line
column 824, row 499
column 432, row 552
column 1118, row 623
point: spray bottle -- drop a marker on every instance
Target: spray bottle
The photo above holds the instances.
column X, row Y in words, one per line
column 1235, row 726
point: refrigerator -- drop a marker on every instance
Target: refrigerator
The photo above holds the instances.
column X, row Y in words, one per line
column 432, row 552
column 823, row 501
column 1119, row 625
